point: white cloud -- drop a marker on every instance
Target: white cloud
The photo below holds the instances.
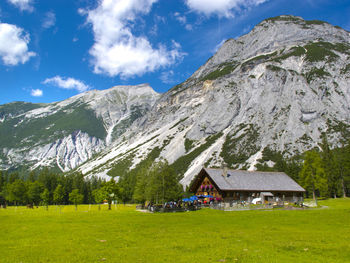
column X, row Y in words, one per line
column 117, row 51
column 14, row 45
column 183, row 21
column 36, row 93
column 189, row 27
column 67, row 83
column 167, row 77
column 180, row 18
column 223, row 8
column 23, row 5
column 49, row 20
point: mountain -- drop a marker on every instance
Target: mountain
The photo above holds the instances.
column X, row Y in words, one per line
column 68, row 133
column 277, row 88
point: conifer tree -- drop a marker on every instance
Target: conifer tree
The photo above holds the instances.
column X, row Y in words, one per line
column 141, row 185
column 330, row 168
column 163, row 185
column 312, row 174
column 343, row 160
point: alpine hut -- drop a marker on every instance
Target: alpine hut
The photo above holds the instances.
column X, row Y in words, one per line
column 238, row 186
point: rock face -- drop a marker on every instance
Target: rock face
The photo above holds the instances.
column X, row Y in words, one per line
column 68, row 133
column 280, row 86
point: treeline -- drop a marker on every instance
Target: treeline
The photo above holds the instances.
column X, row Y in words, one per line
column 326, row 172
column 322, row 171
column 45, row 187
column 155, row 182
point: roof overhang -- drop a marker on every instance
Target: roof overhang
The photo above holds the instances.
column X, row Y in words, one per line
column 265, row 190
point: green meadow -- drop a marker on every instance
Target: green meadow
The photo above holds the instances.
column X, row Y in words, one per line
column 126, row 235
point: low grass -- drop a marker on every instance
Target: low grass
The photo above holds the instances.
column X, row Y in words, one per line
column 125, row 235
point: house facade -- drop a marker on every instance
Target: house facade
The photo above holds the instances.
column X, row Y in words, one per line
column 234, row 186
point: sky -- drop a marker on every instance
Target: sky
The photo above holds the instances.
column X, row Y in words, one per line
column 52, row 50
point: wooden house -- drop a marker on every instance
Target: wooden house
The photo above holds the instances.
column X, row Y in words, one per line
column 237, row 186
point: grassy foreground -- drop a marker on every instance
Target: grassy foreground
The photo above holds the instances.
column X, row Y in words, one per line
column 125, row 235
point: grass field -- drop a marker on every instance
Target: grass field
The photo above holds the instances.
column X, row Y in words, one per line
column 125, row 235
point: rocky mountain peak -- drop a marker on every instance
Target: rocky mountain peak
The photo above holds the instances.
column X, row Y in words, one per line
column 144, row 88
column 275, row 34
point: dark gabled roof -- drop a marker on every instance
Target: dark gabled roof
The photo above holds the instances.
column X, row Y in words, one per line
column 253, row 181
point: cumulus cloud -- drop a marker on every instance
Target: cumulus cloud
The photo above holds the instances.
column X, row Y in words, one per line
column 67, row 83
column 117, row 51
column 36, row 93
column 23, row 5
column 49, row 20
column 223, row 8
column 14, row 45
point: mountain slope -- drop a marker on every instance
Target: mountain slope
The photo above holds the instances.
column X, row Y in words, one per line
column 67, row 133
column 280, row 86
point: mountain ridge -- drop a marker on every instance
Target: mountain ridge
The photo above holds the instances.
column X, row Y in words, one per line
column 278, row 87
column 299, row 64
column 81, row 126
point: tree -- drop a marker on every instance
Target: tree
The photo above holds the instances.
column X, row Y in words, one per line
column 34, row 191
column 163, row 183
column 109, row 191
column 126, row 186
column 312, row 174
column 2, row 189
column 31, row 177
column 2, row 180
column 98, row 196
column 76, row 198
column 16, row 192
column 45, row 197
column 342, row 156
column 13, row 177
column 141, row 185
column 330, row 168
column 58, row 195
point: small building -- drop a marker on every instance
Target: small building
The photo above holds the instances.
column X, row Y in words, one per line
column 236, row 186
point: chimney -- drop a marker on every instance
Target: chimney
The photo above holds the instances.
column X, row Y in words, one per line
column 224, row 171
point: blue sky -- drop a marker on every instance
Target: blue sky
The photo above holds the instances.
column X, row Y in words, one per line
column 52, row 50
